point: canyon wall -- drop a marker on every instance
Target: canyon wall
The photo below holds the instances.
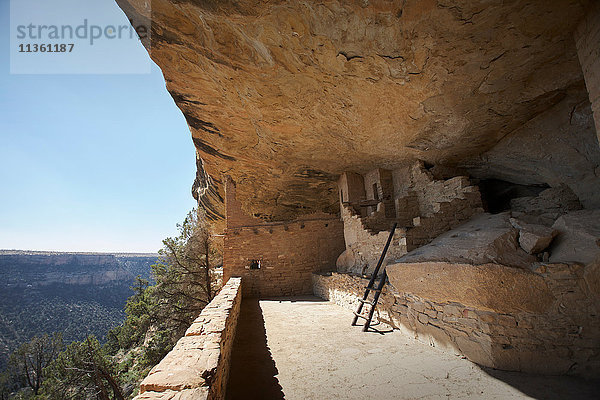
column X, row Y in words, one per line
column 32, row 269
column 75, row 293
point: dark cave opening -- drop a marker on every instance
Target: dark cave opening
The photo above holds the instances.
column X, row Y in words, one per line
column 496, row 194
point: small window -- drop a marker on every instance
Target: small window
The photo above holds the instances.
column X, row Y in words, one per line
column 255, row 264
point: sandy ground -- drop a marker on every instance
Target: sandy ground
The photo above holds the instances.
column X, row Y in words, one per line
column 312, row 352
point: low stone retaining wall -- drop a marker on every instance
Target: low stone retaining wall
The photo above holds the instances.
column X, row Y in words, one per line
column 198, row 366
column 544, row 321
column 345, row 290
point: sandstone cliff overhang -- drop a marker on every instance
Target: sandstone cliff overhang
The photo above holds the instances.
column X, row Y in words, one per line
column 283, row 96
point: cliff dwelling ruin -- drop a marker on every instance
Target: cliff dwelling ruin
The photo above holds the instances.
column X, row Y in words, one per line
column 471, row 125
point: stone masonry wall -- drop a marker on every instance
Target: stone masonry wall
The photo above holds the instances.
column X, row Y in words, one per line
column 447, row 215
column 415, row 180
column 288, row 252
column 565, row 338
column 351, row 187
column 587, row 38
column 364, row 246
column 449, row 203
column 198, row 366
column 345, row 290
column 379, row 185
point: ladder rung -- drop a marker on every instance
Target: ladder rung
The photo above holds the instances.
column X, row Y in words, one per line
column 366, row 301
column 359, row 315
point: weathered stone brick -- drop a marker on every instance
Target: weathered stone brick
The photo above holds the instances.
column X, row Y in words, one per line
column 204, row 351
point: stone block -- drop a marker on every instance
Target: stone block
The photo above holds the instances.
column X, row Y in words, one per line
column 533, row 238
column 422, row 318
column 435, row 337
column 451, row 310
column 417, row 306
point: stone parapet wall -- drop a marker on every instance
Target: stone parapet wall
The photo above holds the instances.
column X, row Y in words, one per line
column 550, row 324
column 198, row 366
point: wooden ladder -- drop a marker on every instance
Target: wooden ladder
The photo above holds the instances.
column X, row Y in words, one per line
column 371, row 288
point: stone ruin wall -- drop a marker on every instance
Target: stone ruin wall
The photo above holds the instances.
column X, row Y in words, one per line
column 424, row 209
column 289, row 252
column 198, row 366
column 549, row 327
column 449, row 203
column 363, row 247
column 379, row 185
column 415, row 184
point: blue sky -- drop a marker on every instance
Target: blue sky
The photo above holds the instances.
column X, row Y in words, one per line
column 90, row 162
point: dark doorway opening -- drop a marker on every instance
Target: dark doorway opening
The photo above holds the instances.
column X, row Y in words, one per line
column 496, row 194
column 375, row 192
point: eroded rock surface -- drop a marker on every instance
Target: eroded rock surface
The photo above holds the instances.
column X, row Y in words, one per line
column 557, row 147
column 489, row 287
column 484, row 239
column 285, row 95
column 579, row 239
column 546, row 207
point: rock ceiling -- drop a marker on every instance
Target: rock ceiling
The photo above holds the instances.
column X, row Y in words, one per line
column 285, row 95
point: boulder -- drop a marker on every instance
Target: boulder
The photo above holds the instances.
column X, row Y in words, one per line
column 346, row 261
column 578, row 239
column 487, row 287
column 533, row 238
